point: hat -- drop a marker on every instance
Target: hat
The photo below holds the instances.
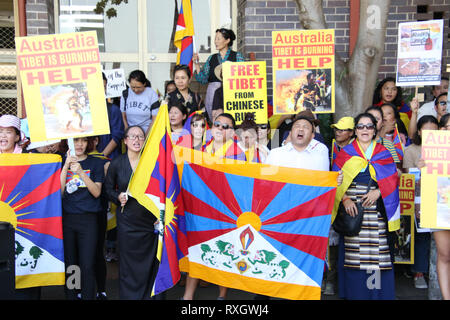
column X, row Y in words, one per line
column 218, row 72
column 8, row 120
column 308, row 116
column 344, row 123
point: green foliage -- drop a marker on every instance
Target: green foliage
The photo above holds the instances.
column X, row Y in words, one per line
column 111, row 12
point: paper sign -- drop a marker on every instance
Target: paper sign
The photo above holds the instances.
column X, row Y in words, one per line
column 435, row 182
column 303, row 71
column 116, row 82
column 62, row 85
column 419, row 53
column 245, row 90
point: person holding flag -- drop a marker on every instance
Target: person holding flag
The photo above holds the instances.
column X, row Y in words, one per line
column 223, row 41
column 136, row 235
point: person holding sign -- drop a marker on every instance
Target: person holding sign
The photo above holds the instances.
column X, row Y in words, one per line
column 82, row 176
column 370, row 178
column 10, row 134
column 223, row 41
column 413, row 159
column 442, row 238
column 137, row 101
column 388, row 92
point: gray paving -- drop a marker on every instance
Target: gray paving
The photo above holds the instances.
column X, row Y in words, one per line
column 405, row 289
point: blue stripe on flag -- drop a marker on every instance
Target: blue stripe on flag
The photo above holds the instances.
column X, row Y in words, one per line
column 240, row 186
column 300, row 193
column 198, row 223
column 194, row 184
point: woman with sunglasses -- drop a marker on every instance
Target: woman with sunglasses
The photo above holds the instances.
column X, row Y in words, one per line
column 367, row 165
column 222, row 143
column 207, row 75
column 440, row 105
column 136, row 235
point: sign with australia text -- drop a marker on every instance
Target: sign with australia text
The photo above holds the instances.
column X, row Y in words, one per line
column 303, row 71
column 262, row 229
column 62, row 85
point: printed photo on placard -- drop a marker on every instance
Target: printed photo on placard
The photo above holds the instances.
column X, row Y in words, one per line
column 443, row 202
column 299, row 90
column 66, row 109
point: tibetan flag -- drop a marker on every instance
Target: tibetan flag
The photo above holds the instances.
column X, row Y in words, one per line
column 255, row 227
column 156, row 185
column 351, row 160
column 30, row 199
column 397, row 142
column 184, row 34
column 334, row 150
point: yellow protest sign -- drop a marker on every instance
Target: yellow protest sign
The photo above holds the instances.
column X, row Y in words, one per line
column 435, row 182
column 303, row 71
column 406, row 193
column 62, row 85
column 245, row 90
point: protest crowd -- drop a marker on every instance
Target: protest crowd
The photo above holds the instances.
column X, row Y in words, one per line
column 369, row 153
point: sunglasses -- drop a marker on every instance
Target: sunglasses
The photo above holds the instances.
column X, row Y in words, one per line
column 224, row 126
column 342, row 130
column 263, row 126
column 369, row 126
column 443, row 103
column 196, row 125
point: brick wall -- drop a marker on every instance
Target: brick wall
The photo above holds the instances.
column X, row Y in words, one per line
column 258, row 18
column 40, row 17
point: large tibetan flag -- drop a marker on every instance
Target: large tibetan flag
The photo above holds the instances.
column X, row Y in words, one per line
column 351, row 160
column 255, row 227
column 184, row 34
column 155, row 185
column 30, row 199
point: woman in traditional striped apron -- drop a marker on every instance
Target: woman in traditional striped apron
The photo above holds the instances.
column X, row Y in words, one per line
column 365, row 263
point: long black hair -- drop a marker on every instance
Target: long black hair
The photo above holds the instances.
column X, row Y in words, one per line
column 138, row 75
column 377, row 93
column 417, row 139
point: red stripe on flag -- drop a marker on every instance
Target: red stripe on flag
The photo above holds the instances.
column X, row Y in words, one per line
column 196, row 237
column 263, row 193
column 11, row 176
column 51, row 226
column 319, row 206
column 313, row 245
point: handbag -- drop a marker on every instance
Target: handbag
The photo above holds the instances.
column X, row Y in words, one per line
column 347, row 225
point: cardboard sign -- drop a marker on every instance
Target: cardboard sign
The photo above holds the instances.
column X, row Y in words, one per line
column 303, row 71
column 419, row 53
column 435, row 182
column 62, row 85
column 245, row 90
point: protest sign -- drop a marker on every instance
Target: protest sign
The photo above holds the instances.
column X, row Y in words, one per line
column 404, row 240
column 303, row 71
column 419, row 53
column 435, row 182
column 62, row 85
column 116, row 82
column 245, row 90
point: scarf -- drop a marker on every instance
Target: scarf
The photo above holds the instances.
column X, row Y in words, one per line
column 351, row 160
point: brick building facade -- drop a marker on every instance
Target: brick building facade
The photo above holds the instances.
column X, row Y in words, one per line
column 258, row 18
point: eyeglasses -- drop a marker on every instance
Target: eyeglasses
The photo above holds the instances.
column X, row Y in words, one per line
column 196, row 125
column 263, row 126
column 224, row 126
column 443, row 103
column 369, row 126
column 132, row 137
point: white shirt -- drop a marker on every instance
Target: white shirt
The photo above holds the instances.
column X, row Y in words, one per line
column 314, row 157
column 427, row 109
